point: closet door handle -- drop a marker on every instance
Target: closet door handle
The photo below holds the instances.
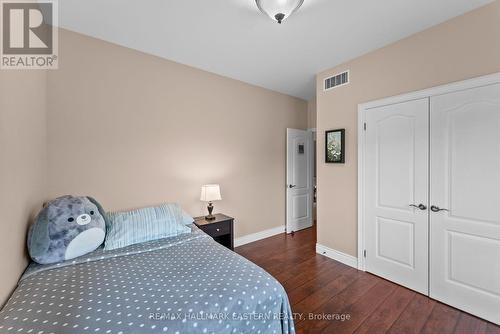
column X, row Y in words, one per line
column 420, row 206
column 437, row 209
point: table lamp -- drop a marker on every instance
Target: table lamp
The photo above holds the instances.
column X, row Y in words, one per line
column 210, row 193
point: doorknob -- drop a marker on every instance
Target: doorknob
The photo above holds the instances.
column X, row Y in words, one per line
column 437, row 209
column 420, row 206
column 292, row 186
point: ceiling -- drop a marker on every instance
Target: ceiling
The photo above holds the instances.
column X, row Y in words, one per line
column 232, row 38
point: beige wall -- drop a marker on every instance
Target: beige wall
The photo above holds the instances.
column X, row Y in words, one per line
column 22, row 167
column 311, row 113
column 133, row 130
column 462, row 48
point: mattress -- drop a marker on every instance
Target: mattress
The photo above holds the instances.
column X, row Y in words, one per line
column 184, row 284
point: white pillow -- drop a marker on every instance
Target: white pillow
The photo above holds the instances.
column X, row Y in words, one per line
column 186, row 218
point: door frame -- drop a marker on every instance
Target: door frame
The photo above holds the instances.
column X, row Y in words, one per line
column 363, row 108
column 310, row 176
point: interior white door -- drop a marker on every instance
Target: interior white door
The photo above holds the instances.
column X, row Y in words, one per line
column 396, row 195
column 299, row 194
column 465, row 188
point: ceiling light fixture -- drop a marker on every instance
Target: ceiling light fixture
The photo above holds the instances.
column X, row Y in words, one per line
column 278, row 10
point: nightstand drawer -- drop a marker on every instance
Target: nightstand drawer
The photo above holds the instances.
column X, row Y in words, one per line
column 217, row 229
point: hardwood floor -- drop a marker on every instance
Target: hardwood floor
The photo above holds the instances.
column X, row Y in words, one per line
column 318, row 285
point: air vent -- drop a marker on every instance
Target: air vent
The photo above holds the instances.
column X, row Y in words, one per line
column 337, row 80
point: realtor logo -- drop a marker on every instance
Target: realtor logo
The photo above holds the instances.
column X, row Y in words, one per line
column 28, row 34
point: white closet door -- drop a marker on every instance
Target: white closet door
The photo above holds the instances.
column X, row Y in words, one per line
column 465, row 181
column 396, row 174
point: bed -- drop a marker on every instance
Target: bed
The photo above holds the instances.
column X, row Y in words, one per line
column 183, row 284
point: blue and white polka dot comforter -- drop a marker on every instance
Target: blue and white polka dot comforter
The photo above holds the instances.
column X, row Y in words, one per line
column 184, row 284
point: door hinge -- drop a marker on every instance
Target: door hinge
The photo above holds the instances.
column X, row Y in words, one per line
column 364, row 126
column 364, row 253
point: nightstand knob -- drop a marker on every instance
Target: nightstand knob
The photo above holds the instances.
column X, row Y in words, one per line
column 218, row 230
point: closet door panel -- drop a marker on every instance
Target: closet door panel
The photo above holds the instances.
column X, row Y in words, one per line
column 396, row 174
column 465, row 185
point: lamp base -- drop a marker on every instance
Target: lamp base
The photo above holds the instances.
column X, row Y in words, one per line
column 210, row 208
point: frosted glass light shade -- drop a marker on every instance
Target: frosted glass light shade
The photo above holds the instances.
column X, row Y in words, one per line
column 210, row 192
column 278, row 10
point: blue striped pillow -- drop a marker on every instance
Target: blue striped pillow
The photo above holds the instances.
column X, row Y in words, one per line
column 141, row 225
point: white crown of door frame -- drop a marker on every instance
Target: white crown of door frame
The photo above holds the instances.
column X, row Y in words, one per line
column 362, row 108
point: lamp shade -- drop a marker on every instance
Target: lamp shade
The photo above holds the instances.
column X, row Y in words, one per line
column 210, row 192
column 278, row 10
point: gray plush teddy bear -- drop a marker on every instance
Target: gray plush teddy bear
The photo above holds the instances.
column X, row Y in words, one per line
column 65, row 228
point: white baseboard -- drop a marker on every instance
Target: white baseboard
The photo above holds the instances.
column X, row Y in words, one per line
column 259, row 235
column 337, row 255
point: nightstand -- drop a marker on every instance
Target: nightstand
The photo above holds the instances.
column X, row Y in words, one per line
column 220, row 228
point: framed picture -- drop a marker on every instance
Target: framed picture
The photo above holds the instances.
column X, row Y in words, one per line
column 335, row 146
